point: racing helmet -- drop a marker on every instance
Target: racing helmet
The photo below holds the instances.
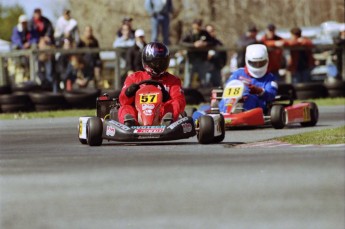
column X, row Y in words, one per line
column 155, row 58
column 257, row 60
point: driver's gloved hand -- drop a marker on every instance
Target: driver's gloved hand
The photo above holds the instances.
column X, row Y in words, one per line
column 166, row 96
column 131, row 90
column 255, row 90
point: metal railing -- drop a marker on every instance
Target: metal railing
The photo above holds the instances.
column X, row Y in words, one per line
column 32, row 55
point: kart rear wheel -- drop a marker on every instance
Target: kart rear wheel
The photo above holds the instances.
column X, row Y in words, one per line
column 278, row 118
column 314, row 115
column 206, row 130
column 94, row 129
column 221, row 137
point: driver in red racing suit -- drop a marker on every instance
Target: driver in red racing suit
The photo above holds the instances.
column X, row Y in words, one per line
column 155, row 59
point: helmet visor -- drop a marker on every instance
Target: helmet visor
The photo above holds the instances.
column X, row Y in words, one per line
column 257, row 64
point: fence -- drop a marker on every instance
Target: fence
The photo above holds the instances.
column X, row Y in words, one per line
column 32, row 55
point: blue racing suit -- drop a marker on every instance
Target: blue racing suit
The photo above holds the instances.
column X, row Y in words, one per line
column 251, row 101
column 267, row 83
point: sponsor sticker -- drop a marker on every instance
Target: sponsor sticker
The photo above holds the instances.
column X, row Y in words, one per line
column 148, row 112
column 187, row 127
column 148, row 131
column 178, row 122
column 147, row 106
column 120, row 125
column 110, row 131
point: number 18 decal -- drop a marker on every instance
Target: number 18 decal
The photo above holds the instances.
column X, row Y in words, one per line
column 232, row 92
column 148, row 98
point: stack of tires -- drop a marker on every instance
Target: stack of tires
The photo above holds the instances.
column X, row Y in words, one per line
column 47, row 101
column 310, row 90
column 14, row 102
column 335, row 89
column 81, row 98
column 193, row 96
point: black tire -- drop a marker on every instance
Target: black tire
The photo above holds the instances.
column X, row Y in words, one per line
column 94, row 129
column 45, row 101
column 5, row 89
column 206, row 130
column 193, row 96
column 26, row 87
column 189, row 111
column 15, row 98
column 81, row 98
column 311, row 90
column 314, row 116
column 10, row 108
column 278, row 118
column 336, row 89
column 221, row 137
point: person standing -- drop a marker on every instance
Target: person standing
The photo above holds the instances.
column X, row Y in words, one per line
column 198, row 39
column 246, row 39
column 159, row 10
column 301, row 59
column 66, row 27
column 43, row 26
column 133, row 55
column 275, row 52
column 217, row 59
column 22, row 36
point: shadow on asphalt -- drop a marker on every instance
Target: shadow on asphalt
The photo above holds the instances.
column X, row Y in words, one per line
column 226, row 144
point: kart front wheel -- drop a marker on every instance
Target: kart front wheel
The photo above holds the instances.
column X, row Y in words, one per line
column 221, row 124
column 206, row 129
column 94, row 129
column 314, row 115
column 278, row 118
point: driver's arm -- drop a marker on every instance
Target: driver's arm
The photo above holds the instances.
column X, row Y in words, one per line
column 124, row 100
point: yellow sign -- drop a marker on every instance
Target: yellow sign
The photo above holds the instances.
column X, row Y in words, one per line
column 148, row 98
column 80, row 128
column 232, row 92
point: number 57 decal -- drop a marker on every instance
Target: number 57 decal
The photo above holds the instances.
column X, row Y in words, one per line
column 148, row 98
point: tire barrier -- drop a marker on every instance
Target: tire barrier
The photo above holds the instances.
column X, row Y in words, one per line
column 111, row 92
column 82, row 98
column 47, row 101
column 16, row 102
column 193, row 96
column 26, row 87
column 310, row 90
column 5, row 89
column 335, row 89
column 287, row 89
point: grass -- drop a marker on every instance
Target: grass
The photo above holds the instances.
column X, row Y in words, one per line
column 91, row 112
column 48, row 114
column 318, row 137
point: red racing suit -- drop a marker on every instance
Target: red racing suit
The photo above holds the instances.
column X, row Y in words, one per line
column 172, row 84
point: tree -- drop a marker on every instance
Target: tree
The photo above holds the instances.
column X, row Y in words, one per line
column 9, row 18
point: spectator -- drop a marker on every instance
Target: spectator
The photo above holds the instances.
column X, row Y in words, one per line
column 78, row 73
column 217, row 59
column 66, row 27
column 63, row 60
column 339, row 43
column 126, row 21
column 159, row 10
column 43, row 26
column 125, row 41
column 88, row 40
column 301, row 60
column 133, row 56
column 246, row 39
column 198, row 39
column 22, row 37
column 275, row 52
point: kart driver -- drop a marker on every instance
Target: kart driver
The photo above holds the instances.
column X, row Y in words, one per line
column 262, row 85
column 155, row 60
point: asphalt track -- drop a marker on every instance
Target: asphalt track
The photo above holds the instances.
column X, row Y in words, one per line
column 49, row 180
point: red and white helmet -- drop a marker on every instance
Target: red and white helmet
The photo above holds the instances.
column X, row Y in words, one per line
column 257, row 60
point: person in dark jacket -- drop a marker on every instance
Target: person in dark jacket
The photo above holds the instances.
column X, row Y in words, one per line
column 217, row 59
column 43, row 26
column 133, row 55
column 246, row 39
column 198, row 39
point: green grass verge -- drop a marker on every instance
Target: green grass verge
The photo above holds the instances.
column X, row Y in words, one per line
column 48, row 114
column 318, row 137
column 91, row 112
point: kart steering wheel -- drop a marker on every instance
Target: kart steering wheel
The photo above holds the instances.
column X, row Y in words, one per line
column 166, row 95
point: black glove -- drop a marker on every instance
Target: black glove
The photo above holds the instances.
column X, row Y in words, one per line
column 166, row 95
column 130, row 91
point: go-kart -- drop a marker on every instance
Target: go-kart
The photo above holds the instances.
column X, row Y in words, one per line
column 279, row 113
column 148, row 102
